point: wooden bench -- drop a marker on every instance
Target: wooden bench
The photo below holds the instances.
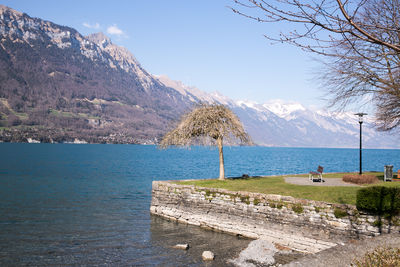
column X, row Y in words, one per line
column 316, row 176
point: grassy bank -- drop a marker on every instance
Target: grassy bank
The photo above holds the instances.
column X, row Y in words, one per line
column 277, row 185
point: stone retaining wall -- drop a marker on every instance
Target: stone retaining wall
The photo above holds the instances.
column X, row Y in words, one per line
column 303, row 225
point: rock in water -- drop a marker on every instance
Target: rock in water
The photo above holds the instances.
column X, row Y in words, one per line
column 260, row 252
column 208, row 255
column 182, row 246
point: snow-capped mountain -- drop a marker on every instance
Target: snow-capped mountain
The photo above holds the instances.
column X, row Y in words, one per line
column 293, row 125
column 58, row 85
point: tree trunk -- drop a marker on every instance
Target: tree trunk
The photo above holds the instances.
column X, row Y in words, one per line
column 221, row 159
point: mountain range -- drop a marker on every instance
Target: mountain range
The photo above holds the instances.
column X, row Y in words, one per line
column 293, row 125
column 57, row 85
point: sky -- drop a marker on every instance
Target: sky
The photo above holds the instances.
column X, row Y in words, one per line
column 201, row 43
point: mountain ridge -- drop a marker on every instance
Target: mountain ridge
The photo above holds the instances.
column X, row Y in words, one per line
column 294, row 125
column 54, row 80
column 57, row 85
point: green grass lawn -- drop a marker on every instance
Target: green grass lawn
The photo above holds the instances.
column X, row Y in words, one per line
column 277, row 185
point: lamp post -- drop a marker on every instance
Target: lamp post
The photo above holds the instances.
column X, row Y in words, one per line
column 360, row 120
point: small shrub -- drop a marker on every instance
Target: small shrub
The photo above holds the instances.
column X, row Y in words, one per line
column 245, row 199
column 356, row 213
column 382, row 256
column 339, row 213
column 297, row 208
column 317, row 209
column 274, row 205
column 377, row 223
column 256, row 202
column 209, row 195
column 360, row 179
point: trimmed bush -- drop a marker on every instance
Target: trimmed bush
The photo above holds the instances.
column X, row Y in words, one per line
column 379, row 200
column 360, row 179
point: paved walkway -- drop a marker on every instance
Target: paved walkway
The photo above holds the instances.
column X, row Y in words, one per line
column 306, row 181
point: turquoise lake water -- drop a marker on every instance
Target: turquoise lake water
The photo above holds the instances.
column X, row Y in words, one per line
column 65, row 204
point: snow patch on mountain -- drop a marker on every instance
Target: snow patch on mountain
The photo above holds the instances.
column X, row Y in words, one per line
column 277, row 123
column 250, row 104
column 284, row 110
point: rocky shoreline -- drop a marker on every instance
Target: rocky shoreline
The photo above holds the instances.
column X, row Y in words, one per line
column 263, row 253
column 345, row 254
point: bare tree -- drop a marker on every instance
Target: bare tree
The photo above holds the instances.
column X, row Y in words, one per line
column 208, row 125
column 359, row 39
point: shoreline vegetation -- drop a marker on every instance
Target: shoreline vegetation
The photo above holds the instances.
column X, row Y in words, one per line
column 277, row 185
column 25, row 134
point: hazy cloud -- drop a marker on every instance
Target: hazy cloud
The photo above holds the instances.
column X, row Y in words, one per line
column 91, row 26
column 114, row 30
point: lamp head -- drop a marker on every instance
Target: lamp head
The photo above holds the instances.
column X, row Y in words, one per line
column 360, row 116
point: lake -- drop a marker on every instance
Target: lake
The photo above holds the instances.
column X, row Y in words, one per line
column 66, row 204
